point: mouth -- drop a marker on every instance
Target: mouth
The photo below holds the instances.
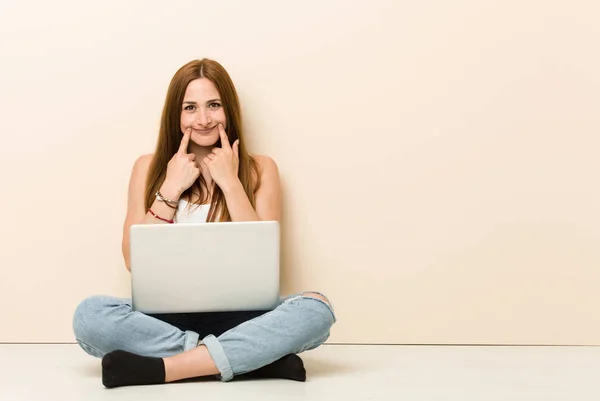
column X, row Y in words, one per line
column 204, row 131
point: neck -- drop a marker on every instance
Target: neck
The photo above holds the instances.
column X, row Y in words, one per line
column 201, row 152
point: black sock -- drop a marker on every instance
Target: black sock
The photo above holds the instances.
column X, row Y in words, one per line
column 122, row 368
column 289, row 367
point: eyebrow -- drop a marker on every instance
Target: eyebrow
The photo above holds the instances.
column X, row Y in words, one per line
column 208, row 101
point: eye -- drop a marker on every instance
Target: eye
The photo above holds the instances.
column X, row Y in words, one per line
column 214, row 105
column 189, row 107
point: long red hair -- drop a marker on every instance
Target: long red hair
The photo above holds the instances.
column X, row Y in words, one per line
column 170, row 135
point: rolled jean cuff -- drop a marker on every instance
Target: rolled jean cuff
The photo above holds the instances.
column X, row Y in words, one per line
column 191, row 340
column 217, row 353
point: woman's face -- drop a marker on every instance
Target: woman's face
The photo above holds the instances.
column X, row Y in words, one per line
column 202, row 110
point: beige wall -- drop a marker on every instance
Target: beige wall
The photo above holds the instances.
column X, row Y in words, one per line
column 439, row 159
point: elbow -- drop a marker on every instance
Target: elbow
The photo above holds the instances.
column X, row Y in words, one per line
column 126, row 258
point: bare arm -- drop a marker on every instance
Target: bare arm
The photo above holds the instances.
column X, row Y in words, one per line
column 183, row 171
column 268, row 196
column 136, row 211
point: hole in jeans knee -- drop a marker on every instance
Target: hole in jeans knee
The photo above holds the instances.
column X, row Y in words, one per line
column 319, row 297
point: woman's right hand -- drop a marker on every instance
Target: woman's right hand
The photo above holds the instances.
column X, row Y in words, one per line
column 182, row 170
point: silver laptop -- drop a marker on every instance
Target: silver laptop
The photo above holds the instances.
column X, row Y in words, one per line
column 205, row 267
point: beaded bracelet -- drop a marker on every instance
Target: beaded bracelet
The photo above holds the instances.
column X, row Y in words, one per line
column 160, row 218
column 166, row 201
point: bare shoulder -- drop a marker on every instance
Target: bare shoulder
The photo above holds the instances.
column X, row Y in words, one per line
column 266, row 165
column 139, row 172
column 143, row 162
column 268, row 194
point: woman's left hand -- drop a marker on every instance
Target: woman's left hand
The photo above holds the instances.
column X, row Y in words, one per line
column 223, row 163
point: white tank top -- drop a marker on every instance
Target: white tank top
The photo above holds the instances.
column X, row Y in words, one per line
column 190, row 213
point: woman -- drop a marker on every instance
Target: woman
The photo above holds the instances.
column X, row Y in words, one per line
column 200, row 172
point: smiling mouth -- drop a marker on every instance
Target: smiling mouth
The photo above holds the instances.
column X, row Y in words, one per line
column 204, row 131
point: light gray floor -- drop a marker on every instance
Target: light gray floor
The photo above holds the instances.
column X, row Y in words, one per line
column 336, row 372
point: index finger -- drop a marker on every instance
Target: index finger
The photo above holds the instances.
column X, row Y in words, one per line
column 185, row 140
column 224, row 138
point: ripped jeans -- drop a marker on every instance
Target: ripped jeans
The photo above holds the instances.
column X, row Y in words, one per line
column 238, row 342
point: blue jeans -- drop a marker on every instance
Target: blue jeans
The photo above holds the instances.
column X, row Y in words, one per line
column 299, row 323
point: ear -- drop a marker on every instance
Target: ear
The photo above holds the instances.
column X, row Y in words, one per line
column 236, row 150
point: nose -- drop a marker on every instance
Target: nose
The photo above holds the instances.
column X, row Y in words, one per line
column 203, row 118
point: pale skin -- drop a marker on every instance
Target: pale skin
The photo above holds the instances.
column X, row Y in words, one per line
column 203, row 122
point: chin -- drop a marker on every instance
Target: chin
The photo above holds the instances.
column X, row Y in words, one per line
column 204, row 141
